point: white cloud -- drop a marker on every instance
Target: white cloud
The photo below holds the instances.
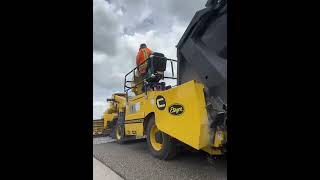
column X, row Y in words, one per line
column 120, row 26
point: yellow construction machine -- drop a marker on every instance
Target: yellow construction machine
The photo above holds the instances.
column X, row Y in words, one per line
column 194, row 112
column 116, row 105
column 104, row 126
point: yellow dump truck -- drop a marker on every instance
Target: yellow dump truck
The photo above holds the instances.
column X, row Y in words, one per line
column 194, row 112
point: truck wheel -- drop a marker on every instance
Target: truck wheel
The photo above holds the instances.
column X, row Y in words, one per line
column 160, row 144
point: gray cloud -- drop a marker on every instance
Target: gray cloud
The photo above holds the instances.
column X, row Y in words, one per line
column 106, row 29
column 184, row 10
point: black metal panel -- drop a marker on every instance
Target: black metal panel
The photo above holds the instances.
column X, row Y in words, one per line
column 202, row 50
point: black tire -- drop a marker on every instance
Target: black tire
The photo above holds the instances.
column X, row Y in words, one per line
column 113, row 133
column 119, row 134
column 113, row 125
column 168, row 149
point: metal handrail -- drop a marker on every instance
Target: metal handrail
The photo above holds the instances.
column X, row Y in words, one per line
column 145, row 79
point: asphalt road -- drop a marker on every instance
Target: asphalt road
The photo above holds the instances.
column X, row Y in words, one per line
column 133, row 161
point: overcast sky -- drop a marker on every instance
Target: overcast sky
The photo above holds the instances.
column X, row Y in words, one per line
column 120, row 26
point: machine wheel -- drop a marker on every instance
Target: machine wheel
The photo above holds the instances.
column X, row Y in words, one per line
column 160, row 144
column 113, row 133
column 113, row 127
column 118, row 134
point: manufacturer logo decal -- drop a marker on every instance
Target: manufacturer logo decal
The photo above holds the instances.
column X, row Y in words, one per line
column 176, row 109
column 160, row 102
